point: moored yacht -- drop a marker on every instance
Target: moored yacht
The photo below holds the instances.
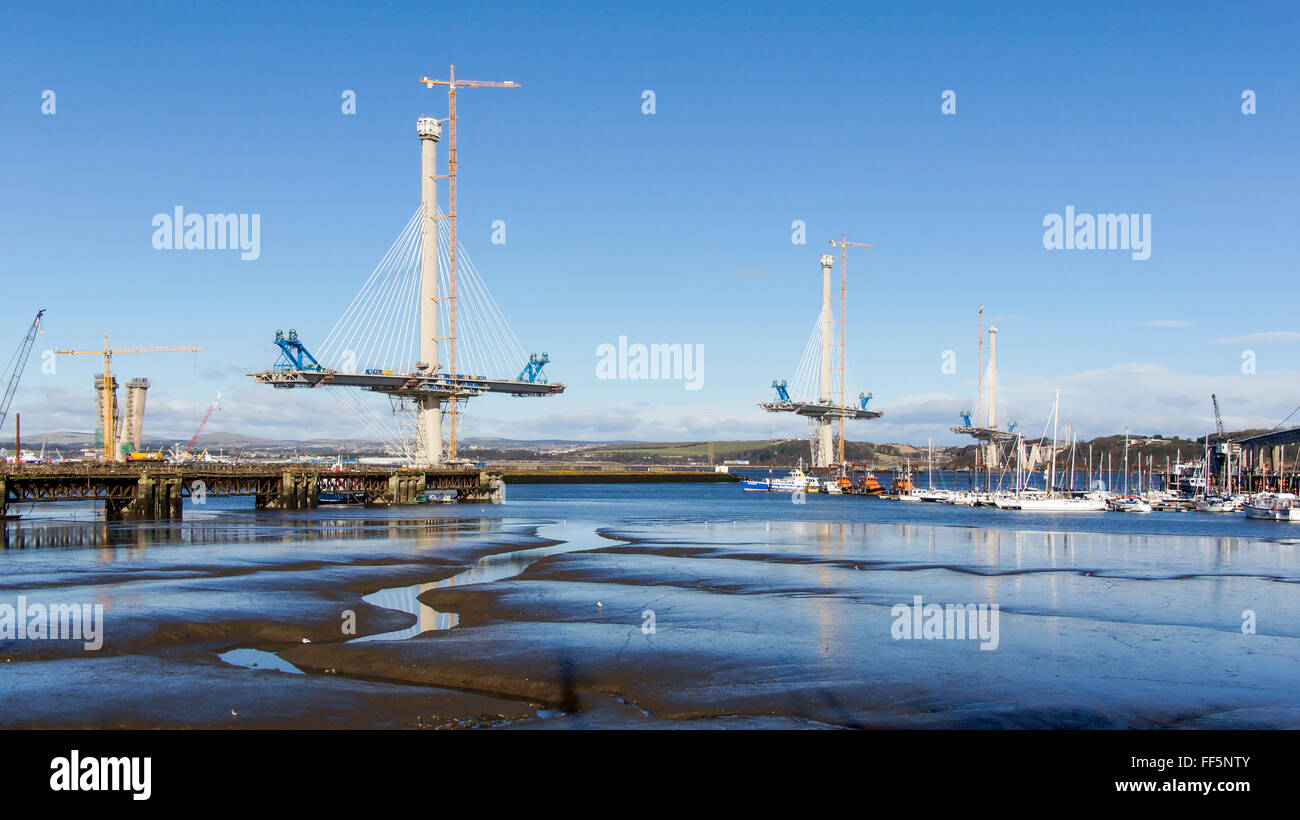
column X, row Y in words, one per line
column 1274, row 507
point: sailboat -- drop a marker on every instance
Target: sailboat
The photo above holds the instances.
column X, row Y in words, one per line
column 1130, row 503
column 1053, row 502
column 930, row 493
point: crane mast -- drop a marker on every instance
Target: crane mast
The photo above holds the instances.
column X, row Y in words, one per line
column 19, row 365
column 844, row 243
column 452, row 162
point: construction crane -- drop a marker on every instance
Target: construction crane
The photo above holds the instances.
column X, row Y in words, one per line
column 1218, row 417
column 109, row 396
column 452, row 84
column 844, row 244
column 19, row 364
column 194, row 439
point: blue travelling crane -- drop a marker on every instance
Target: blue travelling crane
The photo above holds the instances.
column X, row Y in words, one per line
column 295, row 355
column 782, row 393
column 532, row 371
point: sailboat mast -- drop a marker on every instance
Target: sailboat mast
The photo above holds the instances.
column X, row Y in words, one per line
column 1074, row 442
column 1125, row 461
column 1056, row 409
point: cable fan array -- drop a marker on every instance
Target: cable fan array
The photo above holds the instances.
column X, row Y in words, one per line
column 379, row 330
column 806, row 384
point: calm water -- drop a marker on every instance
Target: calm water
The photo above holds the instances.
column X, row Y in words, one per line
column 603, row 505
column 766, row 610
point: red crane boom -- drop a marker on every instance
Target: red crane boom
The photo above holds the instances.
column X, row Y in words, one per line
column 211, row 408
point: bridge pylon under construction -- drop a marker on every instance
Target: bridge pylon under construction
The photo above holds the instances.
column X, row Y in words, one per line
column 821, row 398
column 424, row 299
column 984, row 428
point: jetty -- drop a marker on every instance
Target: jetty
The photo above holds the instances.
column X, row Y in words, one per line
column 157, row 491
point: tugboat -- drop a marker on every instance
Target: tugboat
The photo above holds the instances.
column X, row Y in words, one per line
column 868, row 484
column 903, row 487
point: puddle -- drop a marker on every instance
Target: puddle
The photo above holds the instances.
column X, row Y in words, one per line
column 257, row 659
column 489, row 568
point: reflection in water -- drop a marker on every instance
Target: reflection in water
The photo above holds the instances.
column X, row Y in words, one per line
column 116, row 539
column 487, row 569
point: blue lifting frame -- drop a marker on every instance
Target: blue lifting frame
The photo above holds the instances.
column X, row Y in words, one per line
column 532, row 371
column 294, row 356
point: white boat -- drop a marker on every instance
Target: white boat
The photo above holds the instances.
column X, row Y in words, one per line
column 1218, row 505
column 933, row 496
column 1274, row 507
column 1052, row 502
column 1131, row 504
column 796, row 481
column 1063, row 504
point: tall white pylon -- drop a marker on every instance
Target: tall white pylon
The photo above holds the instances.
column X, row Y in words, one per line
column 822, row 458
column 992, row 454
column 429, row 410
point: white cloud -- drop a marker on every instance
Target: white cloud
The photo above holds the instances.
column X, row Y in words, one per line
column 1145, row 397
column 1266, row 336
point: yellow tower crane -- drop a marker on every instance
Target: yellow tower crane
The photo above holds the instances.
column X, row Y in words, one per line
column 109, row 396
column 451, row 84
column 844, row 244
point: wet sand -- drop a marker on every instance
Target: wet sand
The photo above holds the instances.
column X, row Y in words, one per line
column 755, row 624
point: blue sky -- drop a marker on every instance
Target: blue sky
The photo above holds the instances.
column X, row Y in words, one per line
column 673, row 227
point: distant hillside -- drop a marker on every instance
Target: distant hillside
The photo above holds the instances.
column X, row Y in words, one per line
column 757, row 453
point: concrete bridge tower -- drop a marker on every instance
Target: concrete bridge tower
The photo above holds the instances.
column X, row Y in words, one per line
column 824, row 436
column 429, row 409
